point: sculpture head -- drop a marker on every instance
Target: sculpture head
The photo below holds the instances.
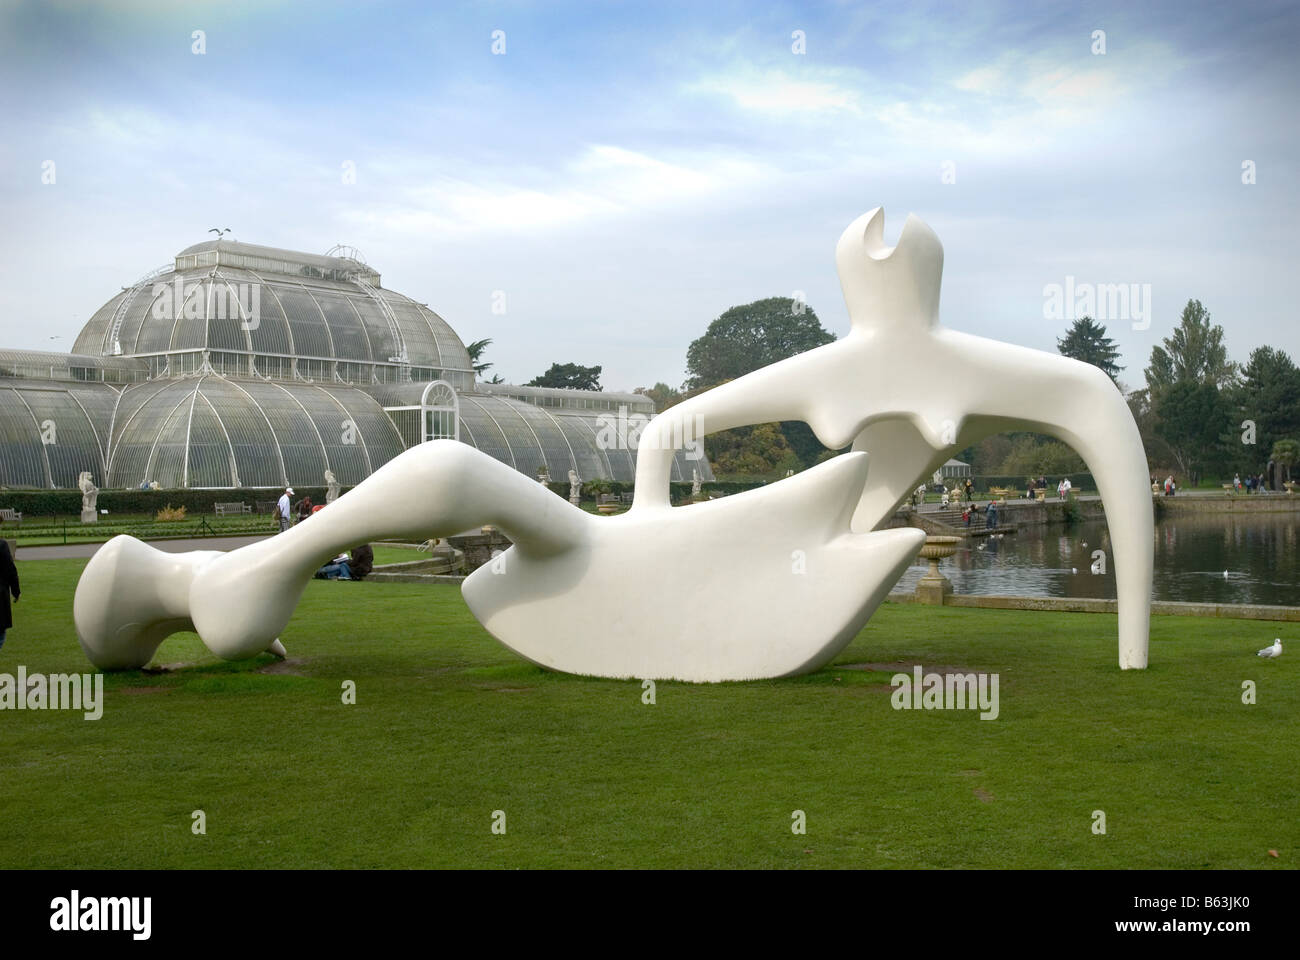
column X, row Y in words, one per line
column 890, row 288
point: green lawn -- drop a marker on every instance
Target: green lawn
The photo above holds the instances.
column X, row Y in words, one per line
column 449, row 727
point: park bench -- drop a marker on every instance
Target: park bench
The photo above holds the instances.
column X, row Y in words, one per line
column 11, row 516
column 267, row 506
column 232, row 509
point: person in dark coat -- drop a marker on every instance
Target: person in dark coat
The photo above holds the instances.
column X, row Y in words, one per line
column 354, row 566
column 363, row 561
column 8, row 586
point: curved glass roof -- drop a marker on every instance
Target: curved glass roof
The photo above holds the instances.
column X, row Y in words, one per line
column 213, row 432
column 275, row 306
column 50, row 433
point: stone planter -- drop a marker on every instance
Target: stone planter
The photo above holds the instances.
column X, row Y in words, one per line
column 934, row 586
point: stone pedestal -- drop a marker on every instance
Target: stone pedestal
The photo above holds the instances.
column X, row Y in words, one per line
column 934, row 586
column 90, row 516
column 478, row 549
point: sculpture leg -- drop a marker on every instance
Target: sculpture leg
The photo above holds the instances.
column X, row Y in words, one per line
column 131, row 596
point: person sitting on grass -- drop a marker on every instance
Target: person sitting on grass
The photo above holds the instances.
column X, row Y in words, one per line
column 356, row 566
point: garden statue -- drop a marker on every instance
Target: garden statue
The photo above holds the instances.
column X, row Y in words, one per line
column 695, row 483
column 785, row 574
column 331, row 487
column 575, row 488
column 89, row 498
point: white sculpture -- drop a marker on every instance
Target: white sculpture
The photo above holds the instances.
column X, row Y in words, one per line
column 575, row 488
column 695, row 483
column 89, row 498
column 331, row 487
column 867, row 390
column 794, row 568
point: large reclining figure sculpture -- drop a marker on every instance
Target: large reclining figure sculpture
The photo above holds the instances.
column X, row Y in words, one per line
column 767, row 583
column 911, row 393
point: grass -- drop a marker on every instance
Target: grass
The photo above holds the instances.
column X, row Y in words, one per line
column 448, row 726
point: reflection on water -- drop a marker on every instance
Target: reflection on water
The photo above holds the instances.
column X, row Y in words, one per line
column 1191, row 556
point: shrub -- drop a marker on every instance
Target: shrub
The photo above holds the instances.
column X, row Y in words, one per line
column 170, row 514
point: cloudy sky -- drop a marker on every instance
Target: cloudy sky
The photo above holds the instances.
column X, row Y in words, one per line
column 626, row 173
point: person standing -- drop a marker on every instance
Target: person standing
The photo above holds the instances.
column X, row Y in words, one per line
column 8, row 587
column 285, row 506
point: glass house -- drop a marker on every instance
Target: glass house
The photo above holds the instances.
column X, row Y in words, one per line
column 239, row 365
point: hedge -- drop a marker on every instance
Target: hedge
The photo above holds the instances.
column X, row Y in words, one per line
column 50, row 503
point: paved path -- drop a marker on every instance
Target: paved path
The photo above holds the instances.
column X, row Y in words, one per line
column 64, row 551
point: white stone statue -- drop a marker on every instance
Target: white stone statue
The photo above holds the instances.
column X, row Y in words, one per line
column 575, row 488
column 779, row 578
column 331, row 487
column 911, row 393
column 89, row 498
column 695, row 482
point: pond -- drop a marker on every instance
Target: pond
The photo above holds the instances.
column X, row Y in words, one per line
column 1221, row 558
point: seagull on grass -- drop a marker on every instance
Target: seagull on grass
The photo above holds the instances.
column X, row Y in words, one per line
column 1275, row 650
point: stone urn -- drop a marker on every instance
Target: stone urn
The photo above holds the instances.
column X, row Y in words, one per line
column 934, row 586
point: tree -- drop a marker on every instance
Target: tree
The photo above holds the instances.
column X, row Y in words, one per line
column 747, row 337
column 1086, row 340
column 663, row 396
column 1195, row 352
column 475, row 351
column 757, row 451
column 1033, row 454
column 1286, row 453
column 754, row 335
column 571, row 376
column 1269, row 395
column 1192, row 418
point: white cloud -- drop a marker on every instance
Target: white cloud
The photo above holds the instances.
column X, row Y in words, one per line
column 601, row 181
column 778, row 93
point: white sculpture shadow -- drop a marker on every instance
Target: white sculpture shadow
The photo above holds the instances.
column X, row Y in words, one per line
column 912, row 393
column 767, row 583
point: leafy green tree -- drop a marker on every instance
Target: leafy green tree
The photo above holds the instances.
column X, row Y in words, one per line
column 1286, row 453
column 663, row 396
column 1086, row 340
column 1035, row 455
column 571, row 376
column 754, row 335
column 756, row 451
column 1268, row 395
column 1195, row 352
column 1192, row 418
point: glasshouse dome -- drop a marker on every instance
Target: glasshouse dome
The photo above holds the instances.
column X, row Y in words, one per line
column 239, row 365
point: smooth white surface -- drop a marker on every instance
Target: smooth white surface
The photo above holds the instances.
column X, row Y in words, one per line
column 763, row 584
column 912, row 393
column 766, row 583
